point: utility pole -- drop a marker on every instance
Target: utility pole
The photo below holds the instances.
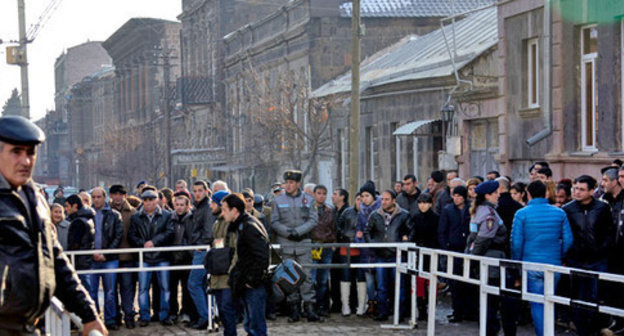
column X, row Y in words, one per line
column 167, row 112
column 354, row 125
column 23, row 41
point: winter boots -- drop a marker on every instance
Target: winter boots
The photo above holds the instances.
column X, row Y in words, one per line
column 361, row 298
column 345, row 291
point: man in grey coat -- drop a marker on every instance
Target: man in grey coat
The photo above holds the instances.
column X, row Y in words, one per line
column 292, row 219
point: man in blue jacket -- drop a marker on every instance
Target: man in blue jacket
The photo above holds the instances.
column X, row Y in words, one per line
column 541, row 233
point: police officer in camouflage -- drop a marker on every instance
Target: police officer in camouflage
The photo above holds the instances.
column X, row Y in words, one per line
column 292, row 219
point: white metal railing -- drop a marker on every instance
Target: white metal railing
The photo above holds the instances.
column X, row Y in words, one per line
column 58, row 320
column 412, row 264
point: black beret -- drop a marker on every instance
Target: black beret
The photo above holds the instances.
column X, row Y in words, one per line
column 18, row 130
column 293, row 175
column 117, row 189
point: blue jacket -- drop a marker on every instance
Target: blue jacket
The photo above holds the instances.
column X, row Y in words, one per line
column 541, row 233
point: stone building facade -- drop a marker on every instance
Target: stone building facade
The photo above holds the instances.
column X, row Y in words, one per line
column 200, row 154
column 70, row 68
column 298, row 47
column 135, row 134
column 572, row 108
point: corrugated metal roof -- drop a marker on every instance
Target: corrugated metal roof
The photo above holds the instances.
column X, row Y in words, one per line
column 423, row 57
column 412, row 8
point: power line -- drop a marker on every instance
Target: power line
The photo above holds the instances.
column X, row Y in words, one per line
column 45, row 16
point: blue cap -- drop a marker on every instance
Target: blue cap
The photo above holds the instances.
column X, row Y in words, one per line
column 141, row 182
column 219, row 196
column 18, row 130
column 486, row 187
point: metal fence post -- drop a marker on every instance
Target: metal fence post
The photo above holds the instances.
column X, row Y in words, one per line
column 549, row 305
column 397, row 288
column 433, row 293
column 413, row 265
column 483, row 278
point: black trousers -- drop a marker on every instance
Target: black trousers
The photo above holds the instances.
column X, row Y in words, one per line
column 177, row 278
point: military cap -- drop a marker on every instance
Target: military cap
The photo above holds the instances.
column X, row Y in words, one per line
column 293, row 175
column 18, row 130
column 486, row 187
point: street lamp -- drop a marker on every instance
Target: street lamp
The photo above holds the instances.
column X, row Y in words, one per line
column 446, row 114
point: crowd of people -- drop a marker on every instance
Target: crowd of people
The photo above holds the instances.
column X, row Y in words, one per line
column 573, row 222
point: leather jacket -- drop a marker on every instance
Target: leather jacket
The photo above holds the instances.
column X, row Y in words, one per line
column 159, row 231
column 81, row 236
column 252, row 250
column 378, row 232
column 182, row 227
column 203, row 221
column 112, row 229
column 127, row 211
column 325, row 230
column 346, row 224
column 593, row 231
column 33, row 267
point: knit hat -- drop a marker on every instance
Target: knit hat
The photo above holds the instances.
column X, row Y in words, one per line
column 461, row 191
column 437, row 176
column 369, row 187
column 486, row 187
column 219, row 196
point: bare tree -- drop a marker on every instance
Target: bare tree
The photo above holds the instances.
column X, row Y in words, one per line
column 285, row 124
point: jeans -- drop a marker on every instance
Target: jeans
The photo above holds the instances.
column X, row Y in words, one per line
column 385, row 286
column 227, row 310
column 144, row 285
column 197, row 285
column 108, row 282
column 346, row 272
column 321, row 276
column 585, row 289
column 127, row 289
column 253, row 304
column 85, row 279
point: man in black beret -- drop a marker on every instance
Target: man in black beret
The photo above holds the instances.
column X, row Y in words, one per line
column 33, row 277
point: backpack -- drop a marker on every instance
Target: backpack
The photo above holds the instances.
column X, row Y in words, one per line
column 286, row 279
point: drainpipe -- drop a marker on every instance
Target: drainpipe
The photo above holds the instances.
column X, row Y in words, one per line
column 541, row 135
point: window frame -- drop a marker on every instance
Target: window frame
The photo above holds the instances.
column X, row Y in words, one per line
column 533, row 92
column 588, row 60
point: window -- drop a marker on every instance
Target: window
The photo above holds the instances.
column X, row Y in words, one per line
column 589, row 54
column 532, row 73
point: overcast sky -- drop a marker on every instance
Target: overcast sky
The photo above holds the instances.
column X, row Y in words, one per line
column 74, row 22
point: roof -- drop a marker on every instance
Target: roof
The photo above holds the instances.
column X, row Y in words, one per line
column 412, row 8
column 424, row 57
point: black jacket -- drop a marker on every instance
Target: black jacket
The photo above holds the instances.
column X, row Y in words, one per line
column 593, row 231
column 407, row 202
column 182, row 227
column 159, row 231
column 506, row 209
column 454, row 227
column 252, row 250
column 33, row 267
column 81, row 235
column 377, row 232
column 424, row 229
column 616, row 262
column 203, row 220
column 346, row 223
column 112, row 229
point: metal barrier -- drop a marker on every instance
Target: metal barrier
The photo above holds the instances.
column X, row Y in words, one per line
column 58, row 320
column 412, row 265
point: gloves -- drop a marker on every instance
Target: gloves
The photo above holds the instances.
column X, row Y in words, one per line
column 293, row 235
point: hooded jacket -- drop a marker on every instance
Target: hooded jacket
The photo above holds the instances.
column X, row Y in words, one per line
column 378, row 232
column 81, row 235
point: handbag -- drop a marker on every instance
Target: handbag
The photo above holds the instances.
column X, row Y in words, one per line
column 218, row 260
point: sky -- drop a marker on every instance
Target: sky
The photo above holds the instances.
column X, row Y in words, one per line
column 74, row 22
